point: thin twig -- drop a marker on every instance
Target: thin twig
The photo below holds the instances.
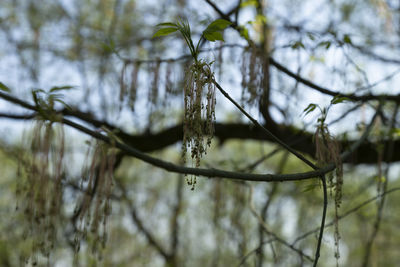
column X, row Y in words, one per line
column 363, row 98
column 379, row 215
column 141, row 226
column 271, row 233
column 244, row 258
column 347, row 213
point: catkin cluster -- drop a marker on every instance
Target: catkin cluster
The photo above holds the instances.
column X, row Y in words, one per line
column 199, row 117
column 252, row 76
column 327, row 151
column 94, row 209
column 40, row 187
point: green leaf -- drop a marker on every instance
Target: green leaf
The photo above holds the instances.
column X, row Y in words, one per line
column 213, row 32
column 218, row 25
column 63, row 103
column 261, row 19
column 35, row 97
column 298, row 45
column 4, row 88
column 39, row 91
column 309, row 108
column 346, row 39
column 164, row 31
column 60, row 88
column 380, row 179
column 55, row 96
column 249, row 3
column 325, row 44
column 167, row 24
column 339, row 99
column 244, row 33
column 213, row 36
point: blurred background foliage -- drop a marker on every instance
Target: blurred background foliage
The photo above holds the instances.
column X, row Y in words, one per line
column 124, row 77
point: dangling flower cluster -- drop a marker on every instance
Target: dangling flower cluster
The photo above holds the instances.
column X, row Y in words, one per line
column 94, row 209
column 40, row 187
column 128, row 91
column 199, row 118
column 327, row 151
column 252, row 75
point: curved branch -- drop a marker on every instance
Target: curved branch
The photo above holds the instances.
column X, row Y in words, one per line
column 168, row 166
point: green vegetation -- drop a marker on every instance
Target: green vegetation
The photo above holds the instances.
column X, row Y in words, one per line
column 199, row 133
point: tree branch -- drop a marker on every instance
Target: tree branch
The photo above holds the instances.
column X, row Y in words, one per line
column 271, row 233
column 300, row 140
column 168, row 166
column 363, row 98
column 140, row 225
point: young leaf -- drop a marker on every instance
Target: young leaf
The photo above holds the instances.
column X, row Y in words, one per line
column 63, row 103
column 339, row 99
column 35, row 97
column 213, row 32
column 311, row 36
column 167, row 24
column 298, row 45
column 213, row 36
column 309, row 108
column 325, row 44
column 164, row 31
column 249, row 3
column 346, row 39
column 5, row 88
column 261, row 19
column 218, row 25
column 60, row 88
column 244, row 33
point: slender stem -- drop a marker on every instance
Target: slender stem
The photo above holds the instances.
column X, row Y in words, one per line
column 198, row 46
column 321, row 229
column 256, row 123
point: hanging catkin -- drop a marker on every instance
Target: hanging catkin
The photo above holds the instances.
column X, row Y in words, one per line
column 133, row 85
column 122, row 85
